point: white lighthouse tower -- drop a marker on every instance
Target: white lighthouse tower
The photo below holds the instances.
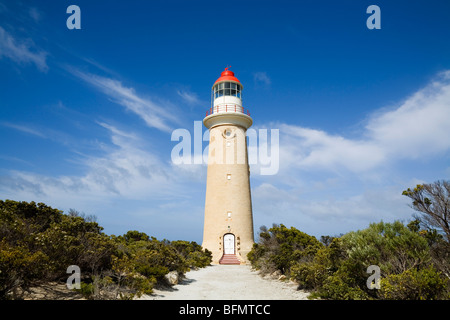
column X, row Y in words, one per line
column 228, row 226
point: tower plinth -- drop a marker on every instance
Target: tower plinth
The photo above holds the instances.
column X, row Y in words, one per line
column 228, row 225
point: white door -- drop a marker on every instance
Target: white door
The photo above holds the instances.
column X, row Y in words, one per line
column 228, row 243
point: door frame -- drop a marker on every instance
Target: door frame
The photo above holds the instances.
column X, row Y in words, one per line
column 234, row 242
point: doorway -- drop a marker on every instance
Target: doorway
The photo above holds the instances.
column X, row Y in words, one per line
column 228, row 243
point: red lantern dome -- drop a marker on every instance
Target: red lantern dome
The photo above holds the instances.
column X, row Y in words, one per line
column 227, row 75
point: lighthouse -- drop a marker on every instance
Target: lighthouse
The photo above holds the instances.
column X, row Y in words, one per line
column 228, row 224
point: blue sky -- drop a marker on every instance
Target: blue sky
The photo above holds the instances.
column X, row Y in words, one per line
column 87, row 115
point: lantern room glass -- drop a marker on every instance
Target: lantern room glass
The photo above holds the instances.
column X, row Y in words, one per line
column 227, row 89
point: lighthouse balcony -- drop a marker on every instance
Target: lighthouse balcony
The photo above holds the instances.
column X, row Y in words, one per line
column 227, row 108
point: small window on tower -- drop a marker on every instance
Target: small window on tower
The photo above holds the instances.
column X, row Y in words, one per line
column 228, row 176
column 229, row 214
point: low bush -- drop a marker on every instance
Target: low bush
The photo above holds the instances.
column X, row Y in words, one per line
column 279, row 248
column 413, row 284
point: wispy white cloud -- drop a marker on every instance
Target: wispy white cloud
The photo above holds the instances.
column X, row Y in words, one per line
column 118, row 133
column 42, row 132
column 24, row 128
column 305, row 148
column 3, row 8
column 17, row 160
column 22, row 51
column 324, row 211
column 418, row 127
column 35, row 14
column 261, row 77
column 128, row 168
column 190, row 97
column 154, row 114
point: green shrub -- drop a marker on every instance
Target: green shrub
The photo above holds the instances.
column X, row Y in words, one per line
column 193, row 254
column 391, row 246
column 312, row 274
column 18, row 268
column 38, row 243
column 341, row 287
column 413, row 284
column 86, row 290
column 405, row 254
column 279, row 248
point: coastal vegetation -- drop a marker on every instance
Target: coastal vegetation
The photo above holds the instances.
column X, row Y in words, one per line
column 384, row 261
column 38, row 243
column 413, row 259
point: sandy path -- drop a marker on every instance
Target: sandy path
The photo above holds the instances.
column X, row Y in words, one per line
column 229, row 282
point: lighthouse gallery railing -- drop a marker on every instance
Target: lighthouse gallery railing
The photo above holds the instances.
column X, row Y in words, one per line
column 227, row 108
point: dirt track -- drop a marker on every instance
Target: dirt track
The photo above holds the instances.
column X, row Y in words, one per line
column 229, row 282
